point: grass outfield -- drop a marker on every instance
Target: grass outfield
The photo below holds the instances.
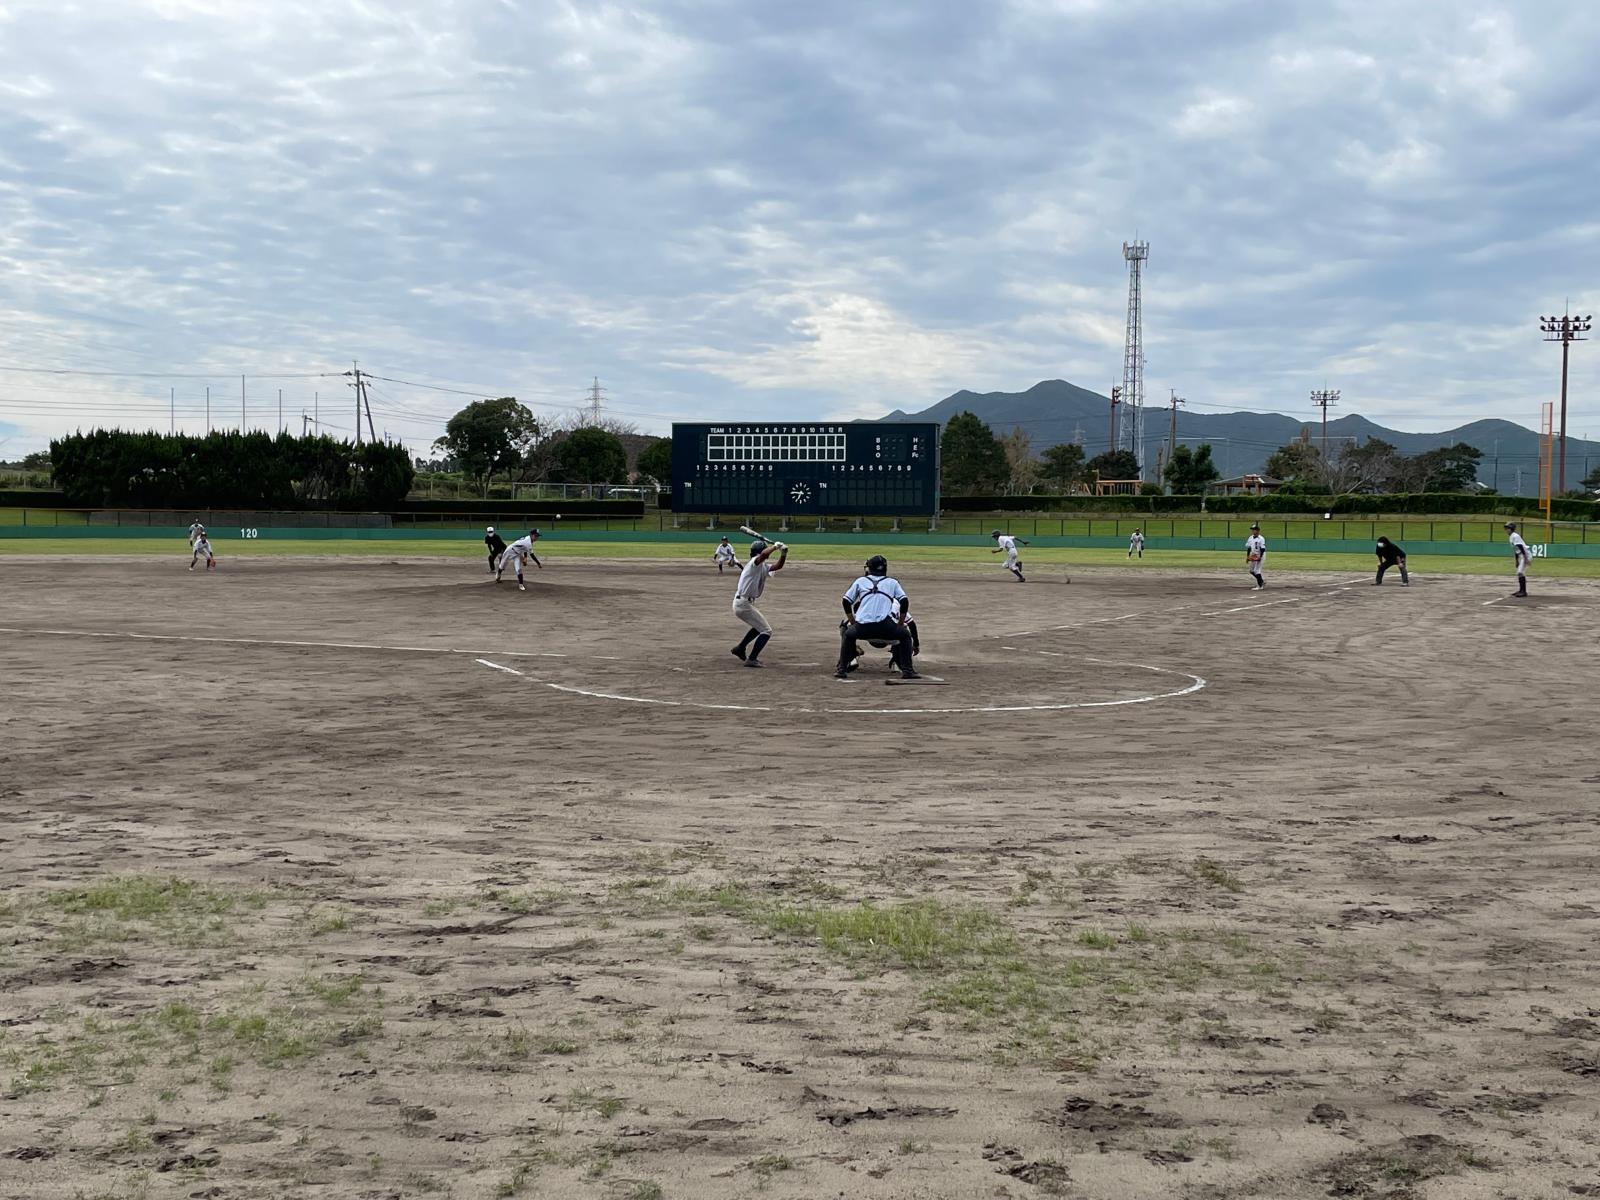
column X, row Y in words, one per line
column 557, row 548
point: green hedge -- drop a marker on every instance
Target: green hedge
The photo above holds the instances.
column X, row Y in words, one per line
column 113, row 468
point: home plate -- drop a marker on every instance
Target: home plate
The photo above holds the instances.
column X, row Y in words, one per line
column 895, row 679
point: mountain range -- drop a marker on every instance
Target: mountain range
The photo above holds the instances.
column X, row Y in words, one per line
column 1054, row 411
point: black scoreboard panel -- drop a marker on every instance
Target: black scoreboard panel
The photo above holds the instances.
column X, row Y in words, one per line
column 846, row 469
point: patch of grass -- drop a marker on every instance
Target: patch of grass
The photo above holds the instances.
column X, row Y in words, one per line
column 1097, row 939
column 143, row 898
column 322, row 924
column 920, row 933
column 641, row 1189
column 768, row 1165
column 603, row 1105
column 1211, row 872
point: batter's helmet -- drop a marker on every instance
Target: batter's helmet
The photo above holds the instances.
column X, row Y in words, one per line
column 490, row 529
column 996, row 533
column 877, row 565
column 756, row 548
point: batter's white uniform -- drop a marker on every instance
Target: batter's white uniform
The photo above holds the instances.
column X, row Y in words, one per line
column 1009, row 544
column 1519, row 549
column 1255, row 549
column 752, row 582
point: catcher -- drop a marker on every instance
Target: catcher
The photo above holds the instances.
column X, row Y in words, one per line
column 876, row 610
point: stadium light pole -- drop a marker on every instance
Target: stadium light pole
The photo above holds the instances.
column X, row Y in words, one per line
column 1565, row 329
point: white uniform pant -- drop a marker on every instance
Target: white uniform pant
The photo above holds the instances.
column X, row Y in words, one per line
column 1255, row 565
column 512, row 563
column 1522, row 568
column 1011, row 560
column 751, row 616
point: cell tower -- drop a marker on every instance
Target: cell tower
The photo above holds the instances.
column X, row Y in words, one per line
column 1131, row 430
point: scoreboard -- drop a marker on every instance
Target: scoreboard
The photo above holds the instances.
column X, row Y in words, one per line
column 846, row 469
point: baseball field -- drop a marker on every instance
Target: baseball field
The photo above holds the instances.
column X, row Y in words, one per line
column 344, row 872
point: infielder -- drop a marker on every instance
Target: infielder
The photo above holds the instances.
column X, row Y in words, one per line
column 876, row 608
column 514, row 554
column 1390, row 555
column 1255, row 553
column 752, row 582
column 1007, row 543
column 202, row 549
column 1136, row 544
column 724, row 556
column 1522, row 555
column 497, row 547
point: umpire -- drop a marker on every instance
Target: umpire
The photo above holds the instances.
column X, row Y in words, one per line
column 1390, row 555
column 875, row 608
column 497, row 547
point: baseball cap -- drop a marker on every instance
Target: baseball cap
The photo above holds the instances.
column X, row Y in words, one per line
column 1253, row 526
column 1511, row 524
column 490, row 529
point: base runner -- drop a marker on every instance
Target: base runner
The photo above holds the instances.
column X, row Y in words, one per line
column 1523, row 556
column 724, row 556
column 876, row 608
column 514, row 554
column 1255, row 553
column 1005, row 542
column 497, row 547
column 752, row 582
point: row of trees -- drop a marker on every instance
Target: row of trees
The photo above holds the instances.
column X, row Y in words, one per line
column 502, row 437
column 974, row 462
column 108, row 468
column 1373, row 466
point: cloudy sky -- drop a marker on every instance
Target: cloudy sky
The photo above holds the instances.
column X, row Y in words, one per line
column 737, row 209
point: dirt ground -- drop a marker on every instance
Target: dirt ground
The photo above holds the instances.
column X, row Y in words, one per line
column 371, row 879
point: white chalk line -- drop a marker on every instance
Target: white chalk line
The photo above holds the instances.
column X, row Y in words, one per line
column 1196, row 683
column 1221, row 612
column 244, row 641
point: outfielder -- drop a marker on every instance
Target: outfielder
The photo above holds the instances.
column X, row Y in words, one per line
column 1136, row 544
column 752, row 582
column 497, row 547
column 1007, row 543
column 724, row 556
column 196, row 530
column 202, row 549
column 876, row 608
column 1522, row 555
column 1255, row 553
column 514, row 554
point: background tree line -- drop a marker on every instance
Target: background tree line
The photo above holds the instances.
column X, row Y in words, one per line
column 1373, row 466
column 502, row 437
column 113, row 468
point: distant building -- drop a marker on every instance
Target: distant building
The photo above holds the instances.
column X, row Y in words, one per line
column 1247, row 485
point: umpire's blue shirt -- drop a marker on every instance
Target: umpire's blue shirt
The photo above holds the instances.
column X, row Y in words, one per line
column 874, row 599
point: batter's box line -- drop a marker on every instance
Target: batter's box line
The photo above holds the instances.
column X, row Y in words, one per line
column 1196, row 683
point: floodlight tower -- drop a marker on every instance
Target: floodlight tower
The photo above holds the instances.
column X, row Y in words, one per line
column 1135, row 253
column 1325, row 398
column 1566, row 330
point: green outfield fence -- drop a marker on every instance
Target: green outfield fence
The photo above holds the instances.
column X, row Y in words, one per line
column 1456, row 538
column 1486, row 531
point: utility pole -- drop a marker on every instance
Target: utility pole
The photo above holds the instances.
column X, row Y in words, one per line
column 1116, row 399
column 362, row 402
column 1172, row 429
column 1566, row 330
column 316, row 411
column 1325, row 398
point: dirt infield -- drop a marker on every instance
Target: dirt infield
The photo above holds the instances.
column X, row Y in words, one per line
column 373, row 879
